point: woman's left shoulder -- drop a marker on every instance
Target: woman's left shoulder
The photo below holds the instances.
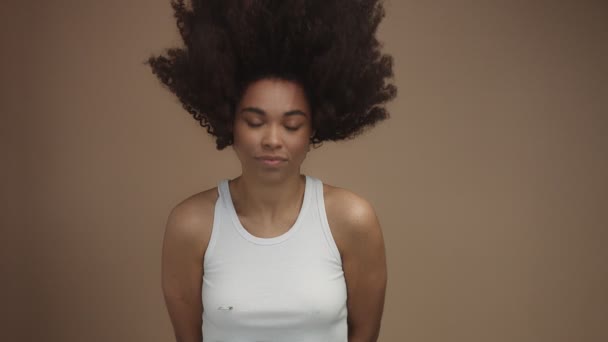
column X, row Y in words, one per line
column 349, row 215
column 346, row 204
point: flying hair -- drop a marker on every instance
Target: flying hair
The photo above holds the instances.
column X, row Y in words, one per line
column 329, row 47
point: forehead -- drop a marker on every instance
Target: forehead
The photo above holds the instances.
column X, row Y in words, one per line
column 275, row 96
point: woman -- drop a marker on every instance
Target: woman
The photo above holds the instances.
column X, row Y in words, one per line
column 275, row 255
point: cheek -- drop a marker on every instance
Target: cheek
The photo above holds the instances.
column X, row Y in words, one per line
column 242, row 143
column 300, row 144
column 243, row 136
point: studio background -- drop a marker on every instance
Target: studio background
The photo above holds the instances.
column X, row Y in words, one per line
column 490, row 180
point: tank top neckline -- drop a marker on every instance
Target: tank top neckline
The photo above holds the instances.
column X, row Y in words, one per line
column 225, row 191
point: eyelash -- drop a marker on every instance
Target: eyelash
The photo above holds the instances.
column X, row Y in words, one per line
column 288, row 128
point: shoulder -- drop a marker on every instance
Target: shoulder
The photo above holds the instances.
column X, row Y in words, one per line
column 346, row 204
column 197, row 208
column 192, row 219
column 350, row 216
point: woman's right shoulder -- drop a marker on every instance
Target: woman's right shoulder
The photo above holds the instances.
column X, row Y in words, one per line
column 198, row 204
column 192, row 218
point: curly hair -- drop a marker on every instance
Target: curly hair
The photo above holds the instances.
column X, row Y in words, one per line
column 329, row 47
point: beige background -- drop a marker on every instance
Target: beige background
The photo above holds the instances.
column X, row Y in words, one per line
column 490, row 179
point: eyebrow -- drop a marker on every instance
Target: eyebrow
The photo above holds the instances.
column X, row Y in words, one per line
column 263, row 113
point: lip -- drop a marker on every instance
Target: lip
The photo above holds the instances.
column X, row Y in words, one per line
column 271, row 158
column 271, row 161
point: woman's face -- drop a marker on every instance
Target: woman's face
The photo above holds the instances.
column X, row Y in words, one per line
column 272, row 119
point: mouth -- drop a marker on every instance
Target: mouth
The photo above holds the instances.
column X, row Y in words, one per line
column 271, row 161
column 272, row 158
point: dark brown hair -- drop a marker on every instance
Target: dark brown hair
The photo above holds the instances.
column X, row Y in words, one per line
column 328, row 46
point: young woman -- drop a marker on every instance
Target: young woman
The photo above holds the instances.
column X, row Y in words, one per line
column 275, row 255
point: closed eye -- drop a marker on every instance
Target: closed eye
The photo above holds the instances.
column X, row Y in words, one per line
column 288, row 128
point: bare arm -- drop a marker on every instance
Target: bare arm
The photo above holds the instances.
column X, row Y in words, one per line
column 364, row 264
column 182, row 270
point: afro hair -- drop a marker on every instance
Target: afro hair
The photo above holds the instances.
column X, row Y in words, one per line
column 329, row 47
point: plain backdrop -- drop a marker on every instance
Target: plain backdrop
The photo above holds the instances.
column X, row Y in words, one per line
column 490, row 179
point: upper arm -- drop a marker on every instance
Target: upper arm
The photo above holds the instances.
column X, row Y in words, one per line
column 182, row 269
column 364, row 265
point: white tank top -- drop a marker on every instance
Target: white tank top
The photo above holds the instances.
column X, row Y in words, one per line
column 289, row 288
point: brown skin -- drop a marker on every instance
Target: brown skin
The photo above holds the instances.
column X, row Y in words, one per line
column 271, row 196
column 272, row 119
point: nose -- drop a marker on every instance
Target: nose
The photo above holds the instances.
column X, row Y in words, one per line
column 272, row 137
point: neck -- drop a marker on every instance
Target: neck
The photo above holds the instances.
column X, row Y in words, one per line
column 266, row 200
